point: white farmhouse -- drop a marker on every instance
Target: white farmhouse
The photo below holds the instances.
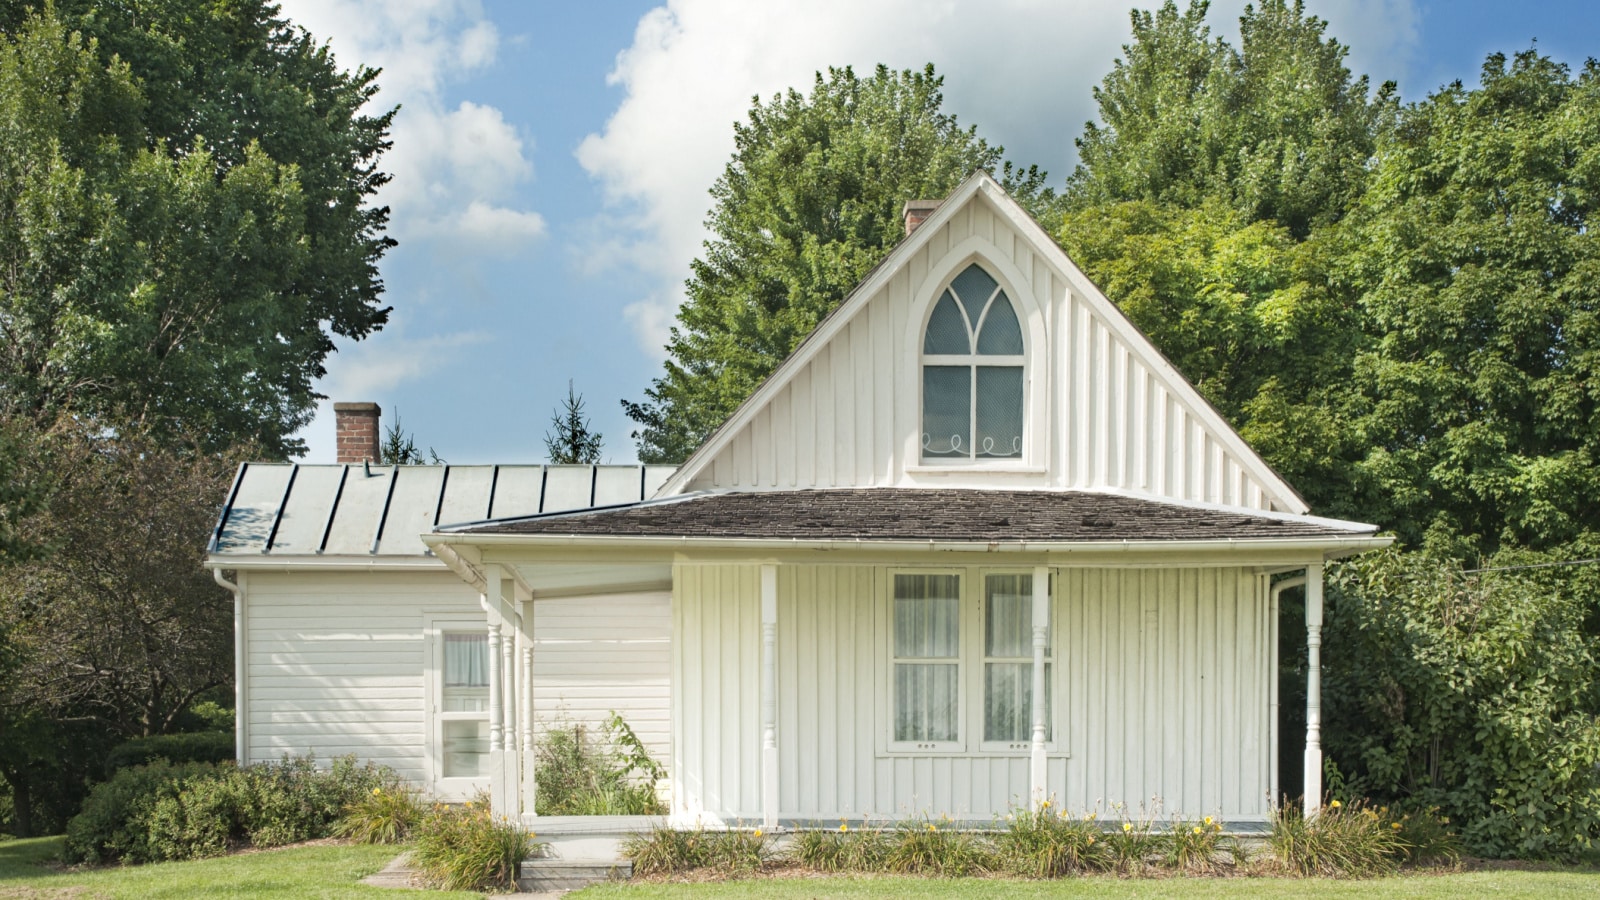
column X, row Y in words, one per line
column 975, row 544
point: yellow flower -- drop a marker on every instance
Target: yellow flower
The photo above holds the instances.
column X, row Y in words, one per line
column 843, row 827
column 1127, row 827
column 1197, row 829
column 1335, row 804
column 1045, row 804
column 1395, row 825
column 1088, row 817
column 1091, row 841
column 932, row 827
column 1208, row 820
column 758, row 832
column 376, row 792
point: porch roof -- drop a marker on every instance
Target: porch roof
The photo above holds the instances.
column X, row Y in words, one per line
column 920, row 514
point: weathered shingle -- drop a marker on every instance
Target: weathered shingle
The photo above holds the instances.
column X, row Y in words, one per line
column 914, row 514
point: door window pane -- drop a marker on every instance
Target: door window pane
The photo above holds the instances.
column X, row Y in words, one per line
column 466, row 746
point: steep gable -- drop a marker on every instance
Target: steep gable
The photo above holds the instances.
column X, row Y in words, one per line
column 1102, row 408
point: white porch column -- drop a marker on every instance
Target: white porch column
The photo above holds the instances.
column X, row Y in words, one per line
column 769, row 696
column 493, row 607
column 510, row 762
column 1038, row 772
column 1313, row 785
column 529, row 762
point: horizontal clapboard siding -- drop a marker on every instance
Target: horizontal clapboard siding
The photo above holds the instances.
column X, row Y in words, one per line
column 336, row 663
column 1161, row 688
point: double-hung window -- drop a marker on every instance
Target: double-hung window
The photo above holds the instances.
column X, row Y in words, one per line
column 927, row 660
column 938, row 702
column 1008, row 663
column 972, row 368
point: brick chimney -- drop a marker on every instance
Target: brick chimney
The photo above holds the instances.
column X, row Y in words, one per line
column 357, row 425
column 918, row 211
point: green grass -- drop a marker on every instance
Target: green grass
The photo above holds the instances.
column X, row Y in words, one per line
column 1499, row 884
column 30, row 869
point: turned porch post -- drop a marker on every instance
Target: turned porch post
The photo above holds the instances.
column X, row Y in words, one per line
column 1313, row 774
column 769, row 696
column 1038, row 773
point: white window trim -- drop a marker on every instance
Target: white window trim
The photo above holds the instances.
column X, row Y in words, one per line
column 435, row 625
column 970, row 741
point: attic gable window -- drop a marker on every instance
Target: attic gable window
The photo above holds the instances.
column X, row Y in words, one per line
column 972, row 373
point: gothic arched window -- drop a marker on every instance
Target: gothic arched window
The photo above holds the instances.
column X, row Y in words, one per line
column 972, row 373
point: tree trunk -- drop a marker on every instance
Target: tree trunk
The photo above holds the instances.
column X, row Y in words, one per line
column 21, row 806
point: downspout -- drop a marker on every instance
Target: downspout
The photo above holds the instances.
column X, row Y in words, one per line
column 1272, row 722
column 239, row 712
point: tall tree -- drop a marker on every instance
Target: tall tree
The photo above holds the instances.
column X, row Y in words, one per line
column 808, row 204
column 1475, row 405
column 185, row 215
column 572, row 441
column 1278, row 128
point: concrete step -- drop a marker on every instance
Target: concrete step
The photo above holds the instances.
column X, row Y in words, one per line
column 571, row 874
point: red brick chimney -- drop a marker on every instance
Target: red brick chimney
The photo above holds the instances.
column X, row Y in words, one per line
column 918, row 211
column 358, row 433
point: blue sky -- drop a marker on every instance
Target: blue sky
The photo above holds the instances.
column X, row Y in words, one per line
column 552, row 159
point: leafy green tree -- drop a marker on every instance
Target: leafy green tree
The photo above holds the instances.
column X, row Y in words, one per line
column 809, row 203
column 1277, row 128
column 1474, row 403
column 184, row 216
column 572, row 441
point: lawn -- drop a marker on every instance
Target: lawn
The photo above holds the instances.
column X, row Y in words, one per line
column 29, row 869
column 1506, row 884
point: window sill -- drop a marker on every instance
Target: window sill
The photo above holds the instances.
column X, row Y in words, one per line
column 979, row 468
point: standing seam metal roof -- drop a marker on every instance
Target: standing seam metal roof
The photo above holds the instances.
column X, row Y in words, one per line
column 290, row 509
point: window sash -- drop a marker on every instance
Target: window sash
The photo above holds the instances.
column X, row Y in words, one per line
column 925, row 659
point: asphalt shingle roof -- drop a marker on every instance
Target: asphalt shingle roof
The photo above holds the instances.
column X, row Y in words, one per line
column 918, row 514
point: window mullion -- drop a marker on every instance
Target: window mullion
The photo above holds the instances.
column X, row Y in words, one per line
column 972, row 416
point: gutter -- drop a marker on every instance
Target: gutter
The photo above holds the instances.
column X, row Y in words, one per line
column 240, row 714
column 1330, row 547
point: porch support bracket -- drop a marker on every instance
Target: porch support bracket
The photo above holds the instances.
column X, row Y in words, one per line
column 1038, row 771
column 769, row 696
column 1313, row 772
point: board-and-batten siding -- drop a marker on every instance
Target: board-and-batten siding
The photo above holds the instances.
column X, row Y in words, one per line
column 336, row 663
column 1161, row 681
column 845, row 419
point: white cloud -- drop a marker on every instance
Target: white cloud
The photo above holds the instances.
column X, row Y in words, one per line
column 450, row 166
column 1021, row 70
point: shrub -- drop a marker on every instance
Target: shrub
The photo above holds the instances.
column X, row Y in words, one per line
column 114, row 823
column 609, row 772
column 1343, row 840
column 1049, row 843
column 1195, row 846
column 198, row 746
column 737, row 850
column 469, row 848
column 1426, row 837
column 200, row 820
column 166, row 811
column 1473, row 693
column 387, row 815
column 293, row 800
column 922, row 846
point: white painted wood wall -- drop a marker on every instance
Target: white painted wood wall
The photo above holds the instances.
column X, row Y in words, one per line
column 336, row 663
column 1104, row 410
column 1161, row 679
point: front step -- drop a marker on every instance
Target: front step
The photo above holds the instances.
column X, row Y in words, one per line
column 570, row 874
